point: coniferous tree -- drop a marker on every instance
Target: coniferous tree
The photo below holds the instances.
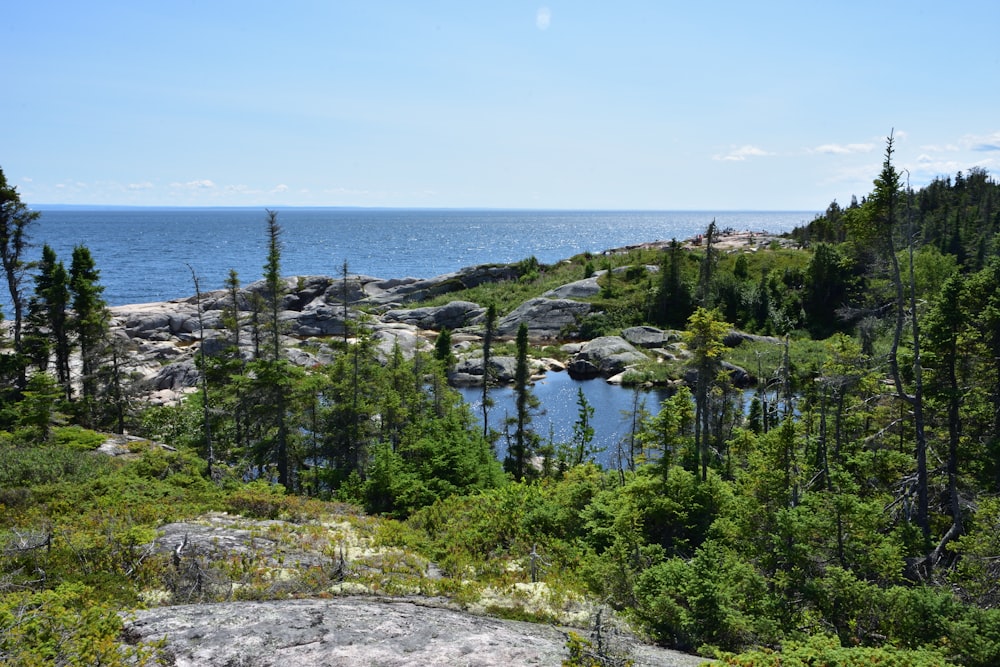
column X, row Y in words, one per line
column 583, row 431
column 47, row 332
column 489, row 329
column 442, row 349
column 885, row 208
column 705, row 332
column 525, row 441
column 946, row 324
column 984, row 335
column 90, row 322
column 674, row 300
column 15, row 219
column 206, row 403
column 275, row 375
column 707, row 269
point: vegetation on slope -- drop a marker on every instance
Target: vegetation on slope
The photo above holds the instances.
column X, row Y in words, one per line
column 848, row 514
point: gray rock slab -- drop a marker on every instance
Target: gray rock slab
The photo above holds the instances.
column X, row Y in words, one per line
column 545, row 318
column 580, row 289
column 356, row 631
column 453, row 315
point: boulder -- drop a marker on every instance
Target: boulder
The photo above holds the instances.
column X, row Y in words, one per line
column 546, row 318
column 453, row 315
column 388, row 337
column 604, row 356
column 648, row 337
column 580, row 289
column 468, row 372
column 175, row 376
column 736, row 338
column 319, row 319
column 581, row 369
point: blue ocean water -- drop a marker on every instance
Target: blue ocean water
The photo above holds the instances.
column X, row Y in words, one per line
column 144, row 254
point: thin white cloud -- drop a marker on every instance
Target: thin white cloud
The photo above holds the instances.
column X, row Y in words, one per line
column 844, row 149
column 742, row 153
column 201, row 184
column 279, row 189
column 543, row 18
column 982, row 143
column 140, row 186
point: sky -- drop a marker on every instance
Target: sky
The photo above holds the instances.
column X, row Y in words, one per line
column 658, row 105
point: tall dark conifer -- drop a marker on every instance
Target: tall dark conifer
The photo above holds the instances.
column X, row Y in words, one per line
column 47, row 332
column 15, row 219
column 90, row 319
column 276, row 378
column 489, row 329
column 522, row 449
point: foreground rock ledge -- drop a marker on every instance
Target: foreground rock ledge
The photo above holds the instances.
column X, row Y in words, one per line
column 356, row 631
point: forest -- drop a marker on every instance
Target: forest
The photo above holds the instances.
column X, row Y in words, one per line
column 844, row 511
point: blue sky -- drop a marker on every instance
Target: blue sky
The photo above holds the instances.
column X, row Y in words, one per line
column 556, row 104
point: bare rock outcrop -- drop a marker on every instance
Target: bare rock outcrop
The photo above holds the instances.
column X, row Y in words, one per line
column 396, row 293
column 469, row 371
column 546, row 319
column 357, row 631
column 580, row 289
column 453, row 315
column 603, row 357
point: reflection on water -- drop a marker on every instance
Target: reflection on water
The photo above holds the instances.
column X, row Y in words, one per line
column 557, row 392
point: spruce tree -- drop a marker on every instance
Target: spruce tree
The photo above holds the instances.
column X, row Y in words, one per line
column 276, row 378
column 90, row 321
column 47, row 331
column 15, row 219
column 489, row 329
column 522, row 449
column 674, row 300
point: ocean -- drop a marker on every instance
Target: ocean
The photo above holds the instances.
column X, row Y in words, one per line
column 144, row 254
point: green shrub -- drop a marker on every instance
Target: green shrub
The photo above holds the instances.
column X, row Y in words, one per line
column 65, row 626
column 826, row 650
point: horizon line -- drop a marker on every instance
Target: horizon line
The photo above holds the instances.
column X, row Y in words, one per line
column 41, row 207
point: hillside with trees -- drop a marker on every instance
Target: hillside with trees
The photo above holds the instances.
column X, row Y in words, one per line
column 842, row 509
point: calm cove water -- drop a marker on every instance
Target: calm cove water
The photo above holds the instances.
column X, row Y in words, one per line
column 144, row 254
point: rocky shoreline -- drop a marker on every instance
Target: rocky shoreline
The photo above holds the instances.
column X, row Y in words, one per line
column 163, row 338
